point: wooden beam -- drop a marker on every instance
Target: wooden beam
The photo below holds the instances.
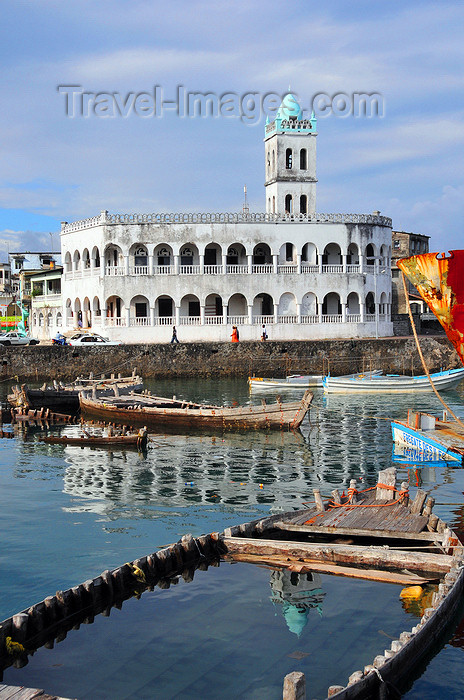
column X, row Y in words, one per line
column 334, row 569
column 343, row 554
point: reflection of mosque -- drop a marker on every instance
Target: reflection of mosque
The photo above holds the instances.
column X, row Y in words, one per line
column 297, row 594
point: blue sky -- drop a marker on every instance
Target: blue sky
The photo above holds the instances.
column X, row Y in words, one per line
column 407, row 164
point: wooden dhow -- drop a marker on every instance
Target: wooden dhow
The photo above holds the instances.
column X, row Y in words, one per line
column 122, row 440
column 66, row 396
column 160, row 412
column 374, row 534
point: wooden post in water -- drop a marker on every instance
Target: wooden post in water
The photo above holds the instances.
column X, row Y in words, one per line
column 388, row 478
column 318, row 500
column 294, row 686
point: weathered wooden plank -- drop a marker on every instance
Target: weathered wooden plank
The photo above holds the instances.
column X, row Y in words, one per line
column 335, row 569
column 349, row 554
column 390, row 534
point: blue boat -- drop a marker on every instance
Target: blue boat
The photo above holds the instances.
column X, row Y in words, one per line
column 435, row 439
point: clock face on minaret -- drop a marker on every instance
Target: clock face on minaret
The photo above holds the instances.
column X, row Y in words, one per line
column 290, row 160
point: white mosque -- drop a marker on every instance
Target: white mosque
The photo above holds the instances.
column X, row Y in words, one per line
column 304, row 275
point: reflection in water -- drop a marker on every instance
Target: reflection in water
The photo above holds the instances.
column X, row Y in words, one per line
column 297, row 593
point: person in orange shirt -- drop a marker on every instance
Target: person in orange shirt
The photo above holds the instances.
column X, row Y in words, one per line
column 234, row 336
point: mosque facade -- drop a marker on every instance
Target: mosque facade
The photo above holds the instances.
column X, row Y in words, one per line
column 303, row 275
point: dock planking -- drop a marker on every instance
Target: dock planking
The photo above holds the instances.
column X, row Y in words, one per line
column 367, row 514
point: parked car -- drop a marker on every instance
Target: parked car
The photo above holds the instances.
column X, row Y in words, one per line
column 91, row 339
column 15, row 338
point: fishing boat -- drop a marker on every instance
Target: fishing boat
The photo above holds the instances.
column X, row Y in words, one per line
column 393, row 383
column 137, row 440
column 438, row 439
column 66, row 396
column 291, row 381
column 376, row 534
column 296, row 381
column 160, row 412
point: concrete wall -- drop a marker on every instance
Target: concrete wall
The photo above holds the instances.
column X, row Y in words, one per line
column 228, row 359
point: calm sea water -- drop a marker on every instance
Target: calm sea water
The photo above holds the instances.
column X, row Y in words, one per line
column 68, row 513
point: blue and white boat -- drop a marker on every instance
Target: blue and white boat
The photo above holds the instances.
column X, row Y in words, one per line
column 434, row 439
column 392, row 383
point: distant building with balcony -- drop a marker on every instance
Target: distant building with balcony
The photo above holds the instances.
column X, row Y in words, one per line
column 46, row 315
column 304, row 275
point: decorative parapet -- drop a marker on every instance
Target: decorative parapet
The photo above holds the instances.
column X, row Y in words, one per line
column 225, row 218
column 84, row 223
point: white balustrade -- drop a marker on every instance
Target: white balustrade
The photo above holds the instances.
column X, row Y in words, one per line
column 370, row 318
column 86, row 272
column 139, row 321
column 310, row 318
column 189, row 321
column 307, row 267
column 353, row 268
column 214, row 320
column 163, row 270
column 138, row 270
column 213, row 269
column 114, row 321
column 287, row 319
column 287, row 269
column 189, row 269
column 237, row 269
column 332, row 318
column 115, row 271
column 262, row 269
column 353, row 318
column 164, row 320
column 332, row 268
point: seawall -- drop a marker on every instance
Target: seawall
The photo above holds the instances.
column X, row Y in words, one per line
column 270, row 358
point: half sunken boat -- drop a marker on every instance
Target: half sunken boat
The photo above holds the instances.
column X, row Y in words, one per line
column 66, row 396
column 375, row 534
column 160, row 412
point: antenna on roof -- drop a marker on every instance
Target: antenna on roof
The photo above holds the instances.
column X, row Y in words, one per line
column 246, row 208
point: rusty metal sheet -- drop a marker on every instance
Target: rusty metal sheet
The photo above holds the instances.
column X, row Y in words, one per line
column 439, row 279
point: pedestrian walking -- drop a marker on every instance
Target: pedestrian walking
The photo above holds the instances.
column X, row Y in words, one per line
column 235, row 335
column 263, row 333
column 174, row 338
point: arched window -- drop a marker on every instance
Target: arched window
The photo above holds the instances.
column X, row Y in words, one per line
column 59, row 319
column 141, row 257
column 41, row 319
column 49, row 320
column 273, row 161
column 303, row 159
column 303, row 204
column 288, row 204
column 273, row 205
column 288, row 158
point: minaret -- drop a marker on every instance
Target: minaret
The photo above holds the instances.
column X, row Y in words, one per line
column 290, row 152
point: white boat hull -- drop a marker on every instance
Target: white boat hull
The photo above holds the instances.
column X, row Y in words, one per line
column 392, row 385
